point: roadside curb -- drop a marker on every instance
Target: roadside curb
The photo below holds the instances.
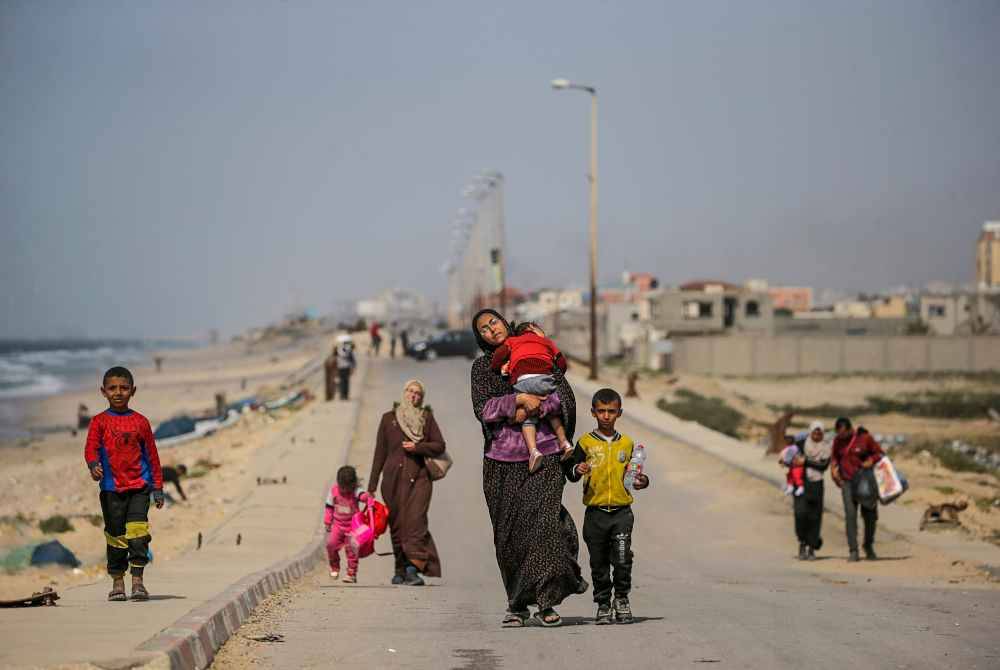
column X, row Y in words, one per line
column 190, row 643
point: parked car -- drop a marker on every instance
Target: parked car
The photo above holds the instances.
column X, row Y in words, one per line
column 448, row 343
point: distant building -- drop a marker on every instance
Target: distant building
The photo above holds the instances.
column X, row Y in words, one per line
column 946, row 314
column 852, row 309
column 793, row 298
column 711, row 307
column 988, row 257
column 889, row 307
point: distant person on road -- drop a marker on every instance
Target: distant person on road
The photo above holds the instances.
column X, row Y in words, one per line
column 121, row 454
column 854, row 453
column 534, row 536
column 406, row 435
column 376, row 338
column 601, row 458
column 812, row 454
column 345, row 365
column 342, row 503
column 528, row 359
column 404, row 340
column 392, row 340
column 330, row 375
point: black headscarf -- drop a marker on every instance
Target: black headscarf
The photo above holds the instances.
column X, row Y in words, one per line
column 488, row 384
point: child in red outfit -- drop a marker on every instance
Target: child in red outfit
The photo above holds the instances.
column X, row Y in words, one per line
column 121, row 454
column 342, row 504
column 530, row 359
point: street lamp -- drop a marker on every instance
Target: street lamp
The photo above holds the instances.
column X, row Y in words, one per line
column 564, row 85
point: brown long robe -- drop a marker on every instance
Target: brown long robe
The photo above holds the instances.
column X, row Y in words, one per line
column 406, row 489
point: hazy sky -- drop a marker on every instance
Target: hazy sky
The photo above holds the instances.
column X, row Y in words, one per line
column 175, row 166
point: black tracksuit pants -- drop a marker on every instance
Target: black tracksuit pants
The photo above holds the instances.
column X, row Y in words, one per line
column 126, row 529
column 609, row 540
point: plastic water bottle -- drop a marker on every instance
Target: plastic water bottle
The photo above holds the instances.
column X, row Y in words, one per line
column 634, row 466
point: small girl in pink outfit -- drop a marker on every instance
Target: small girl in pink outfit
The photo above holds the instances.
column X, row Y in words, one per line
column 341, row 505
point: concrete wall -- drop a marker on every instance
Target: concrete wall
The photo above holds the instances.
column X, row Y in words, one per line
column 746, row 356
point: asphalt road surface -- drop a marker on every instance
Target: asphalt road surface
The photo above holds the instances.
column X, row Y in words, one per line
column 715, row 579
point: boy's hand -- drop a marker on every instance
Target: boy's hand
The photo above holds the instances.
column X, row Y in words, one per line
column 641, row 482
column 158, row 499
column 582, row 468
column 96, row 472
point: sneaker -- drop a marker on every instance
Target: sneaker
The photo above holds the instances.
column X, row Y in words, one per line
column 853, row 557
column 334, row 574
column 397, row 579
column 811, row 554
column 623, row 611
column 567, row 451
column 870, row 553
column 803, row 553
column 799, row 491
column 534, row 461
column 413, row 577
column 603, row 614
column 350, row 579
column 789, row 490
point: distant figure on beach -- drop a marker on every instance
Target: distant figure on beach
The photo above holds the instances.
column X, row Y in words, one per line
column 82, row 417
column 393, row 333
column 172, row 475
column 376, row 338
column 345, row 365
column 330, row 375
column 158, row 362
column 407, row 434
column 121, row 454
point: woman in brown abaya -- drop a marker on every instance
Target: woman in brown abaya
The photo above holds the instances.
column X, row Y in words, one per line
column 406, row 435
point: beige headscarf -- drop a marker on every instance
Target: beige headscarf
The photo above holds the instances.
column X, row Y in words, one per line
column 411, row 419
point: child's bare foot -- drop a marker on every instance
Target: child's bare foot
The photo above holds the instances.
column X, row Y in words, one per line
column 139, row 591
column 534, row 461
column 117, row 593
column 567, row 451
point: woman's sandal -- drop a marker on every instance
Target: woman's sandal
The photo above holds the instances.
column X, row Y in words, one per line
column 117, row 595
column 548, row 618
column 514, row 619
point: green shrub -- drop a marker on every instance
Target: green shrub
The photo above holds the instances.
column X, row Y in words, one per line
column 712, row 413
column 945, row 490
column 56, row 523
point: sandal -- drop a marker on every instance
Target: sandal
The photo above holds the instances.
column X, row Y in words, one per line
column 139, row 592
column 514, row 619
column 534, row 461
column 117, row 595
column 548, row 618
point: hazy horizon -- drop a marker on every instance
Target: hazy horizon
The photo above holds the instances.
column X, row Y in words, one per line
column 174, row 168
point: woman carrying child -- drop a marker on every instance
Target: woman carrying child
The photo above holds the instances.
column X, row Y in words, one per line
column 406, row 434
column 534, row 536
column 813, row 453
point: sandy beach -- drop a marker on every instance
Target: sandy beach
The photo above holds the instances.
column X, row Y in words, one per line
column 45, row 476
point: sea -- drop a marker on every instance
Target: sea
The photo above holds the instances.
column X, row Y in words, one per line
column 32, row 369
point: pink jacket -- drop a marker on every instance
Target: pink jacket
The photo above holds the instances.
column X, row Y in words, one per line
column 341, row 508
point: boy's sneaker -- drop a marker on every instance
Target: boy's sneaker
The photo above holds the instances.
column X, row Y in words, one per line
column 803, row 552
column 623, row 611
column 799, row 491
column 534, row 461
column 567, row 451
column 603, row 614
column 350, row 579
column 334, row 574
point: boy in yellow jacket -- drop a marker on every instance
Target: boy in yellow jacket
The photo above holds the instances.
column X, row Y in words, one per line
column 600, row 458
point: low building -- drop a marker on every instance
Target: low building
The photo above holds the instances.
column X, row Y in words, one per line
column 889, row 307
column 793, row 298
column 711, row 307
column 946, row 314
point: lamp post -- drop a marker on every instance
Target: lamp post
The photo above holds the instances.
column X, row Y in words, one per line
column 562, row 85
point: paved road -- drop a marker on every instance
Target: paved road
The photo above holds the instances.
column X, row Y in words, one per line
column 715, row 580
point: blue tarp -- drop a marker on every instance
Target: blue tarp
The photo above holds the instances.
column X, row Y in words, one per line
column 53, row 553
column 181, row 425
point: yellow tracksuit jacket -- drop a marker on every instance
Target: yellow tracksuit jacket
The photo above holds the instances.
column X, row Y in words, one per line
column 604, row 485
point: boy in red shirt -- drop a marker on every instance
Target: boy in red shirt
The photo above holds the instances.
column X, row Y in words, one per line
column 530, row 358
column 121, row 454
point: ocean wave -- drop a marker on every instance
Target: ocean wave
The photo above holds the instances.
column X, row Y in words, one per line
column 28, row 386
column 45, row 370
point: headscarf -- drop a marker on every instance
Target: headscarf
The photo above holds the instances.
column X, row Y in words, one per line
column 814, row 426
column 411, row 417
column 487, row 383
